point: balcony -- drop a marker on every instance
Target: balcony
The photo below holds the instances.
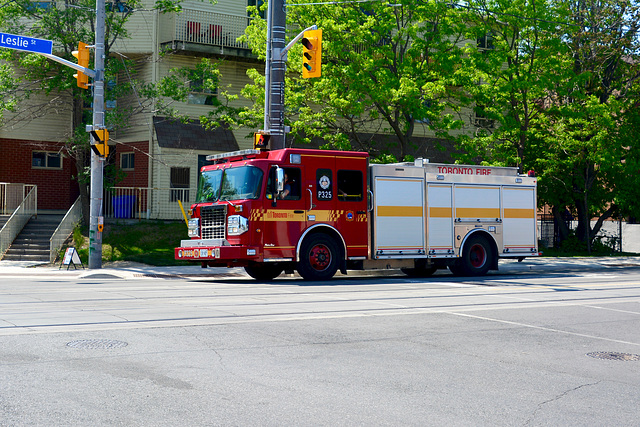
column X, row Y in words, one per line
column 207, row 32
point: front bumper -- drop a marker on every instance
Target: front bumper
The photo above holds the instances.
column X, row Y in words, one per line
column 216, row 251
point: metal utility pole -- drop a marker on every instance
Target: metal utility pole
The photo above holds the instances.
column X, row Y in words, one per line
column 275, row 68
column 97, row 162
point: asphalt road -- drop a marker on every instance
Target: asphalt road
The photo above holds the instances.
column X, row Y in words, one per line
column 529, row 346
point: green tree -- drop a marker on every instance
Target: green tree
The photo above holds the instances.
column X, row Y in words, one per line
column 583, row 130
column 386, row 69
column 519, row 60
column 558, row 81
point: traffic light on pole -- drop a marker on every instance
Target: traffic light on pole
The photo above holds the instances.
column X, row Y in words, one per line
column 101, row 139
column 83, row 54
column 261, row 141
column 311, row 54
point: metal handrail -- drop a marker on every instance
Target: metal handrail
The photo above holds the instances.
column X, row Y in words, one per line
column 17, row 221
column 64, row 229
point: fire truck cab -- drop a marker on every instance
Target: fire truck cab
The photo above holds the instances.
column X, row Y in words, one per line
column 318, row 212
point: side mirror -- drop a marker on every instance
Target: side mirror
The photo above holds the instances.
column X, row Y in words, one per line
column 279, row 180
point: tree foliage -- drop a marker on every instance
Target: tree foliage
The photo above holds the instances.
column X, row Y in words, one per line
column 386, row 69
column 560, row 83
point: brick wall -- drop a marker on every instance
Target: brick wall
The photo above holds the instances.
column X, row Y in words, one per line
column 139, row 176
column 57, row 189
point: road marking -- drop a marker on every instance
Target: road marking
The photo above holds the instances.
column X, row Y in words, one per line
column 613, row 309
column 541, row 328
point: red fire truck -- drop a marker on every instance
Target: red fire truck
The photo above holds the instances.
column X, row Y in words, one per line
column 318, row 212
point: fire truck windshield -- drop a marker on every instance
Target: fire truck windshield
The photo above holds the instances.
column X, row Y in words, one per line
column 239, row 183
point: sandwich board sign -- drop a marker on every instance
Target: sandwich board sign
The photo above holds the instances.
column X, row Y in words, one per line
column 71, row 257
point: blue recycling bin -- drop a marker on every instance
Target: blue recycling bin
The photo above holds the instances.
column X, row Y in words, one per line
column 123, row 206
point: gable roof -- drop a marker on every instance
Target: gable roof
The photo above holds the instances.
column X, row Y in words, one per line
column 192, row 136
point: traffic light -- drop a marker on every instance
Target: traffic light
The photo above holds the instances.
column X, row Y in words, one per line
column 311, row 53
column 101, row 138
column 261, row 141
column 83, row 54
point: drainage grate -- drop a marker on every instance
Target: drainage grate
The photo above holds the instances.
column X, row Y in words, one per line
column 97, row 344
column 608, row 355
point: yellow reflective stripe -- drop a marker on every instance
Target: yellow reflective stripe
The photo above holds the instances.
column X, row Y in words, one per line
column 406, row 211
column 519, row 213
column 440, row 212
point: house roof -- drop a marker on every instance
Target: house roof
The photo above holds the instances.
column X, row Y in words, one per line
column 192, row 136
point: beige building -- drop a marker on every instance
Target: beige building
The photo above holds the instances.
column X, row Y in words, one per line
column 161, row 158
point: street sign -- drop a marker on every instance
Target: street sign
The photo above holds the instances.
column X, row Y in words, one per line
column 29, row 44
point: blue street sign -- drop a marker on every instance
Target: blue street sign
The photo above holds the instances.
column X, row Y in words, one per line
column 29, row 44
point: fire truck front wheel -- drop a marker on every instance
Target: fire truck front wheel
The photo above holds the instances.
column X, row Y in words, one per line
column 477, row 257
column 264, row 272
column 319, row 258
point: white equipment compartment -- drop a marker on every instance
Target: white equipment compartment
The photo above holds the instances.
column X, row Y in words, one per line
column 399, row 217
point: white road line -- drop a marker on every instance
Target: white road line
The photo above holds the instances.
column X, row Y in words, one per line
column 542, row 328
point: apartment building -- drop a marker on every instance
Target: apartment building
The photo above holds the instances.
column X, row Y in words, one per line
column 154, row 151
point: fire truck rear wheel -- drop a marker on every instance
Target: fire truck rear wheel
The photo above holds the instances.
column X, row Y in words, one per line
column 264, row 272
column 319, row 258
column 476, row 259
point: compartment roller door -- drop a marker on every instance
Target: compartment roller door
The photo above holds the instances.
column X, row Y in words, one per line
column 519, row 222
column 399, row 226
column 440, row 219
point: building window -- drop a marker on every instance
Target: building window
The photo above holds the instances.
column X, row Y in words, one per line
column 259, row 3
column 200, row 95
column 482, row 119
column 46, row 159
column 42, row 5
column 180, row 184
column 127, row 161
column 485, row 42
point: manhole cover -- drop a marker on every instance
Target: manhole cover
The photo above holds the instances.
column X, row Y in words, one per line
column 97, row 344
column 608, row 355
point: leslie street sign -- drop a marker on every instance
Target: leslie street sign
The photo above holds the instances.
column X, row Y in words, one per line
column 29, row 44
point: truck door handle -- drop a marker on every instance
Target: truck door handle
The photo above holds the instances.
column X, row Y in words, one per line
column 310, row 198
column 298, row 212
column 370, row 200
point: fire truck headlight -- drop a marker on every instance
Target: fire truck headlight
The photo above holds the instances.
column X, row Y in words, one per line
column 237, row 225
column 193, row 227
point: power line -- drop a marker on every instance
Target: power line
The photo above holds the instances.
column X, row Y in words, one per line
column 333, row 2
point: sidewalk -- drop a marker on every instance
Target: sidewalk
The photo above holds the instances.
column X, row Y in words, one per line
column 125, row 270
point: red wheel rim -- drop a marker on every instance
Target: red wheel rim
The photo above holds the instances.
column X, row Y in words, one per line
column 477, row 256
column 319, row 257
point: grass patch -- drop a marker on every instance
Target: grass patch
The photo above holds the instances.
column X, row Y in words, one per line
column 148, row 242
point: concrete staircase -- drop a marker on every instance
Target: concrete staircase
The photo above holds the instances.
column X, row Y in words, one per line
column 3, row 220
column 32, row 244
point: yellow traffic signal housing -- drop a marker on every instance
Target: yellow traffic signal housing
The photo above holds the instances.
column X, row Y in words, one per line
column 83, row 54
column 261, row 141
column 101, row 138
column 312, row 54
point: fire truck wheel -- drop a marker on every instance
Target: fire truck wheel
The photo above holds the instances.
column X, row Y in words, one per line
column 477, row 255
column 264, row 272
column 318, row 258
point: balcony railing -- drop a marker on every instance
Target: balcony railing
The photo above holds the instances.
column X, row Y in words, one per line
column 11, row 195
column 210, row 28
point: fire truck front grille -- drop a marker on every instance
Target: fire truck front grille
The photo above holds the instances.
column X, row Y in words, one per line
column 213, row 222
